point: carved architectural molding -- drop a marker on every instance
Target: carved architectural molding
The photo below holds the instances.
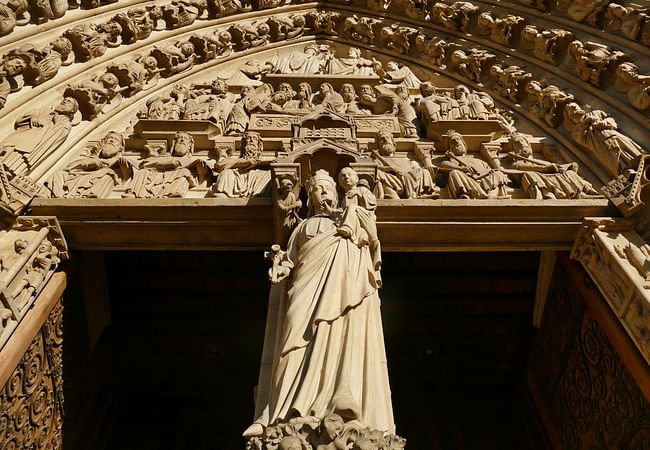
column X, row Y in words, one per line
column 618, row 260
column 29, row 254
column 32, row 399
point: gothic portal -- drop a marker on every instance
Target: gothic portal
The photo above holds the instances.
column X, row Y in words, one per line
column 480, row 166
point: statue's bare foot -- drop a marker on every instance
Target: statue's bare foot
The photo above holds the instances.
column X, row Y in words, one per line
column 255, row 429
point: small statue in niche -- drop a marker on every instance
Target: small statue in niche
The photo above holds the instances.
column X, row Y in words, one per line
column 43, row 62
column 209, row 104
column 239, row 117
column 166, row 107
column 175, row 58
column 542, row 179
column 547, row 45
column 432, row 106
column 38, row 135
column 402, row 109
column 14, row 12
column 472, row 64
column 11, row 69
column 360, row 29
column 397, row 38
column 208, row 46
column 583, row 10
column 102, row 93
column 95, row 175
column 360, row 201
column 500, row 29
column 46, row 257
column 510, row 81
column 635, row 85
column 137, row 75
column 246, row 176
column 401, row 177
column 599, row 133
column 470, row 177
column 548, row 102
column 88, row 42
column 353, row 64
column 247, row 35
column 287, row 27
column 288, row 203
column 591, row 61
column 539, row 4
column 328, row 98
column 168, row 174
column 400, row 75
column 631, row 21
column 324, row 22
column 301, row 101
column 455, row 17
column 471, row 105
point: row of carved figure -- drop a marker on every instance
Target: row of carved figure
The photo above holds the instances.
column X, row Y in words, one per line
column 631, row 21
column 38, row 135
column 232, row 115
column 591, row 61
column 172, row 172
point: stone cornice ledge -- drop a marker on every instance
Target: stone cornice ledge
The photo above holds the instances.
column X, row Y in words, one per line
column 247, row 224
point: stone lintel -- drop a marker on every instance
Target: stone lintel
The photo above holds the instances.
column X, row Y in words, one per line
column 247, row 224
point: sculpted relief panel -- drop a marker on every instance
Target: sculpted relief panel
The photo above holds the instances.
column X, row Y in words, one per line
column 222, row 137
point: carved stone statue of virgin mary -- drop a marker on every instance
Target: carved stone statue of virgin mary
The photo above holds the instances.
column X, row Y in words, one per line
column 324, row 355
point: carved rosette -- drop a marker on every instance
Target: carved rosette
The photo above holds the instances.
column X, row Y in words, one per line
column 618, row 260
column 31, row 407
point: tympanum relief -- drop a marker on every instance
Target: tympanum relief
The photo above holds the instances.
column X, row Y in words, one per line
column 425, row 138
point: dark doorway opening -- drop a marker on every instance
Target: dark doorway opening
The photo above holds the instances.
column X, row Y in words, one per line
column 176, row 366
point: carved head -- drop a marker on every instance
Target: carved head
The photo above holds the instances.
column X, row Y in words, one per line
column 290, row 443
column 427, row 88
column 457, row 145
column 155, row 13
column 348, row 93
column 461, row 90
column 247, row 91
column 385, row 143
column 332, row 426
column 520, row 145
column 187, row 48
column 348, row 178
column 68, row 107
column 109, row 80
column 627, row 72
column 367, row 91
column 183, row 144
column 251, row 145
column 111, row 145
column 392, row 66
column 458, row 57
column 20, row 245
column 402, row 92
column 62, row 46
column 573, row 112
column 286, row 185
column 322, row 189
column 150, row 63
column 326, row 88
column 304, row 91
column 14, row 66
column 354, row 52
column 263, row 29
column 529, row 33
column 219, row 87
column 287, row 89
column 485, row 20
column 311, row 49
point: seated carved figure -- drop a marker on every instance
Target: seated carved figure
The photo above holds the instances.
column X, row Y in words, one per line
column 470, row 177
column 542, row 179
column 244, row 176
column 401, row 177
column 95, row 175
column 168, row 175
